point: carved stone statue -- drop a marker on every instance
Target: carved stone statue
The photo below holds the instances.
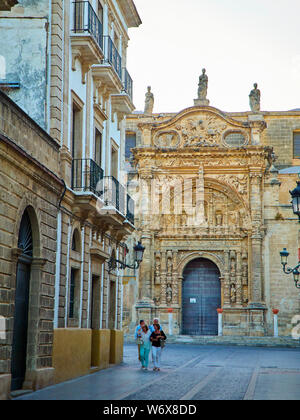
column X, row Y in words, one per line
column 169, row 294
column 169, row 265
column 149, row 102
column 233, row 294
column 219, row 219
column 255, row 99
column 203, row 85
column 202, row 90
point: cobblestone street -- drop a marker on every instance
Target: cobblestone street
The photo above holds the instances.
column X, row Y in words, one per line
column 191, row 372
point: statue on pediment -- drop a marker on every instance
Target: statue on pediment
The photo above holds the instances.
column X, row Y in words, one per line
column 203, row 85
column 202, row 90
column 149, row 102
column 255, row 99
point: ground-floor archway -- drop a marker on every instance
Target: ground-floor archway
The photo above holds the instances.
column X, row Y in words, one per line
column 20, row 331
column 201, row 296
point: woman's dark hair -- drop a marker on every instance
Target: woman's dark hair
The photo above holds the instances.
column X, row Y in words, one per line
column 157, row 326
column 145, row 326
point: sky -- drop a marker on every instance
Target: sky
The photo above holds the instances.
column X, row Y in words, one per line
column 239, row 42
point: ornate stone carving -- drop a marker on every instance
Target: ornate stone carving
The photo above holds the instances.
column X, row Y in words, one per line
column 157, row 267
column 232, row 293
column 255, row 99
column 238, row 182
column 149, row 102
column 166, row 140
column 206, row 131
column 169, row 294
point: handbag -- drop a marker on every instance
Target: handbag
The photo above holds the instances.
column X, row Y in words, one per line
column 139, row 341
column 162, row 343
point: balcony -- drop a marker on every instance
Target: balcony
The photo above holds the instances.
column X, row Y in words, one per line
column 116, row 201
column 86, row 35
column 101, row 198
column 85, row 175
column 112, row 56
column 109, row 73
column 127, row 82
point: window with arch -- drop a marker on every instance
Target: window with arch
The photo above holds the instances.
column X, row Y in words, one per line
column 76, row 241
column 25, row 242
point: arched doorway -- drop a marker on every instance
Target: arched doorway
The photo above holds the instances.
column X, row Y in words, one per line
column 201, row 296
column 19, row 344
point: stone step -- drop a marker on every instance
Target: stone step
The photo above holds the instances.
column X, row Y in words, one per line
column 229, row 340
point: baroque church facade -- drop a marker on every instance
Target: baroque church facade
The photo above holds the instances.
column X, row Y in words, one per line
column 212, row 191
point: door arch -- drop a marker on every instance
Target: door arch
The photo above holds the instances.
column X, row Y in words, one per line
column 201, row 296
column 19, row 343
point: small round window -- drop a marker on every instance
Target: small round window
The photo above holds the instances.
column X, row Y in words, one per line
column 235, row 139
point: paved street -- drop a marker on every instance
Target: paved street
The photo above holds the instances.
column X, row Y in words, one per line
column 191, row 372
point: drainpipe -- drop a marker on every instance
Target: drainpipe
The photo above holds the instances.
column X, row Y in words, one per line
column 81, row 275
column 58, row 258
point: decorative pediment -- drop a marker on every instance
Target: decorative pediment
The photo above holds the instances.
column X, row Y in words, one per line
column 199, row 127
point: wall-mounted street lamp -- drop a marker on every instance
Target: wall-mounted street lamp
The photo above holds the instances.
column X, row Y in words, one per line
column 138, row 258
column 284, row 254
column 287, row 270
column 296, row 199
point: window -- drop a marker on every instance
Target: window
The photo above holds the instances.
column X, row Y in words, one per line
column 114, row 162
column 297, row 145
column 130, row 143
column 98, row 147
column 100, row 12
column 72, row 293
column 76, row 241
column 76, row 131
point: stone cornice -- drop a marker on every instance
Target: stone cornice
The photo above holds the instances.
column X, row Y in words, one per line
column 189, row 112
column 130, row 13
column 203, row 153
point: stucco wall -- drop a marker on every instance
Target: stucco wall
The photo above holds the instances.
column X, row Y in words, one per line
column 26, row 62
column 71, row 353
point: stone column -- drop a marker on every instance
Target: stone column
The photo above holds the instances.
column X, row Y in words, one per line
column 175, row 279
column 226, row 291
column 163, row 288
column 239, row 286
column 200, row 210
column 145, row 178
column 256, row 242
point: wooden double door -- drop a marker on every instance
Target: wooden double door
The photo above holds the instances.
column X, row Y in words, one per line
column 19, row 345
column 201, row 297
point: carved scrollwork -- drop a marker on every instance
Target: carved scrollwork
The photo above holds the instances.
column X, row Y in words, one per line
column 167, row 139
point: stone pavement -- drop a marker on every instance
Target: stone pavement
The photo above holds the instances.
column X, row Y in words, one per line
column 191, row 372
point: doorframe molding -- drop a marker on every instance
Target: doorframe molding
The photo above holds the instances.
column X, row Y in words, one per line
column 201, row 254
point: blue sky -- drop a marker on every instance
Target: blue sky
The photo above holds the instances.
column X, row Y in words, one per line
column 239, row 42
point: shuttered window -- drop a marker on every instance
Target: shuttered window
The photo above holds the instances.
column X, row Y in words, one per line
column 297, row 145
column 130, row 144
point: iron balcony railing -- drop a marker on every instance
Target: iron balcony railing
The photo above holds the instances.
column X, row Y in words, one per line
column 113, row 193
column 86, row 175
column 127, row 82
column 112, row 56
column 86, row 20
